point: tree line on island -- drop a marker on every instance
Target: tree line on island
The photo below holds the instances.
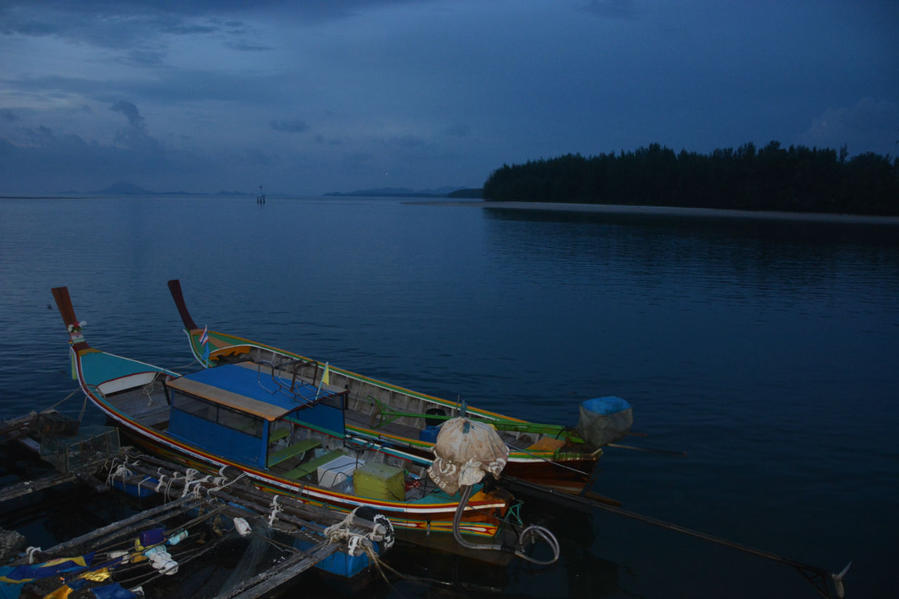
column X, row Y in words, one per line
column 796, row 179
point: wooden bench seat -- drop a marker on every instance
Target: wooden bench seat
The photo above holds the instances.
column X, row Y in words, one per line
column 292, row 451
column 279, row 434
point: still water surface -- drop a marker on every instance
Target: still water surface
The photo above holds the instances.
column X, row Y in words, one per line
column 766, row 350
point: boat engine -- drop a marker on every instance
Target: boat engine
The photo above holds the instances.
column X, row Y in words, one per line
column 604, row 420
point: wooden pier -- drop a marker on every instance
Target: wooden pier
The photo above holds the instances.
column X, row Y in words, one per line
column 226, row 503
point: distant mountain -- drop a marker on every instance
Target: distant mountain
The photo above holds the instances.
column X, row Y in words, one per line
column 468, row 192
column 402, row 192
column 124, row 188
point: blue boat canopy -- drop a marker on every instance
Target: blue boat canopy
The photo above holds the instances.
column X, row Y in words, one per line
column 242, row 387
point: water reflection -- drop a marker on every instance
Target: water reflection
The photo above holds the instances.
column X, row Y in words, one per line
column 722, row 259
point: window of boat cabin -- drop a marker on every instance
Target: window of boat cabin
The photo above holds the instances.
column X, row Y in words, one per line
column 233, row 419
column 240, row 421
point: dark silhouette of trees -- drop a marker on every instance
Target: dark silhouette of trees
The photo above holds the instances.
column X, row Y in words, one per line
column 796, row 179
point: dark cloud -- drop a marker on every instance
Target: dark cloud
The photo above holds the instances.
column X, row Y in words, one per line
column 405, row 141
column 131, row 113
column 120, row 24
column 246, row 46
column 458, row 130
column 40, row 136
column 431, row 92
column 146, row 57
column 258, row 157
column 88, row 165
column 100, row 24
column 168, row 86
column 616, row 9
column 289, row 126
column 321, row 139
column 857, row 126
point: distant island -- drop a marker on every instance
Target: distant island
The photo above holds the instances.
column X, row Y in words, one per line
column 125, row 188
column 402, row 192
column 794, row 179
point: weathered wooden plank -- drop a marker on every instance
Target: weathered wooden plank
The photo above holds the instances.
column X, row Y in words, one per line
column 27, row 487
column 280, row 573
column 119, row 528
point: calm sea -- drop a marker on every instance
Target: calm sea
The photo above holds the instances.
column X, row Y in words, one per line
column 766, row 350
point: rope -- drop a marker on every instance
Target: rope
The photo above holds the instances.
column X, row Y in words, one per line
column 183, row 366
column 189, row 475
column 168, row 486
column 220, row 480
column 545, row 459
column 74, row 391
column 118, row 471
column 359, row 543
column 196, row 482
column 141, row 483
column 445, row 583
column 527, row 536
column 275, row 510
column 538, row 532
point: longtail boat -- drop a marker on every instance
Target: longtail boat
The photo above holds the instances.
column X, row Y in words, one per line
column 405, row 422
column 287, row 435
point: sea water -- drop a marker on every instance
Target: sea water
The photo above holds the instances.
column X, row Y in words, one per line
column 767, row 350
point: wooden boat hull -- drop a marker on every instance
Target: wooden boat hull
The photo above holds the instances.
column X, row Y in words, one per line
column 555, row 463
column 107, row 379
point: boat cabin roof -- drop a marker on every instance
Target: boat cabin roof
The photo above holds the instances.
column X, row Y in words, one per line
column 245, row 388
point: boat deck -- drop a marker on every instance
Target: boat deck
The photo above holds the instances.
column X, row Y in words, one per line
column 149, row 408
column 361, row 420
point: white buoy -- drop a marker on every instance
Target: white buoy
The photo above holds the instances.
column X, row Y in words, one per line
column 242, row 527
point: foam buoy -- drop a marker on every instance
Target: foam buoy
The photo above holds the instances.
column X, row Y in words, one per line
column 242, row 526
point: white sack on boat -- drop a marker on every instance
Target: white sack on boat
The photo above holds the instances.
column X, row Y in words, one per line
column 465, row 451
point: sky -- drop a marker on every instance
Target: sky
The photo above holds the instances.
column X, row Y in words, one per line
column 319, row 96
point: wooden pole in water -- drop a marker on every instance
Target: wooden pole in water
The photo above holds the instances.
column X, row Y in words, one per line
column 117, row 528
column 818, row 577
column 279, row 574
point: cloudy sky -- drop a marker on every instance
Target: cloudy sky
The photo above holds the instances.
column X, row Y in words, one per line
column 336, row 95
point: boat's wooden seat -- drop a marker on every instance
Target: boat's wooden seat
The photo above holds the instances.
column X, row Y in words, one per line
column 292, row 451
column 360, row 420
column 278, row 434
column 312, row 465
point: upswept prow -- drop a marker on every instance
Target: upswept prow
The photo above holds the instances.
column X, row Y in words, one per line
column 405, row 422
column 288, row 436
column 67, row 311
column 178, row 296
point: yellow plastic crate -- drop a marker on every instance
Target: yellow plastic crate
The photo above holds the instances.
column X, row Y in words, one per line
column 379, row 481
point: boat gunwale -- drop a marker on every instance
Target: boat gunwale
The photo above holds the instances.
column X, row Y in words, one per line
column 193, row 335
column 313, row 492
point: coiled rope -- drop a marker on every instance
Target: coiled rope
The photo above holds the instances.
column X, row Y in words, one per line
column 530, row 534
column 358, row 543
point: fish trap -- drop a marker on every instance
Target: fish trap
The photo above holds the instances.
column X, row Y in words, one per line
column 84, row 451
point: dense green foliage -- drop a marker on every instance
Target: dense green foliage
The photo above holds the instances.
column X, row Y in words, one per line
column 771, row 178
